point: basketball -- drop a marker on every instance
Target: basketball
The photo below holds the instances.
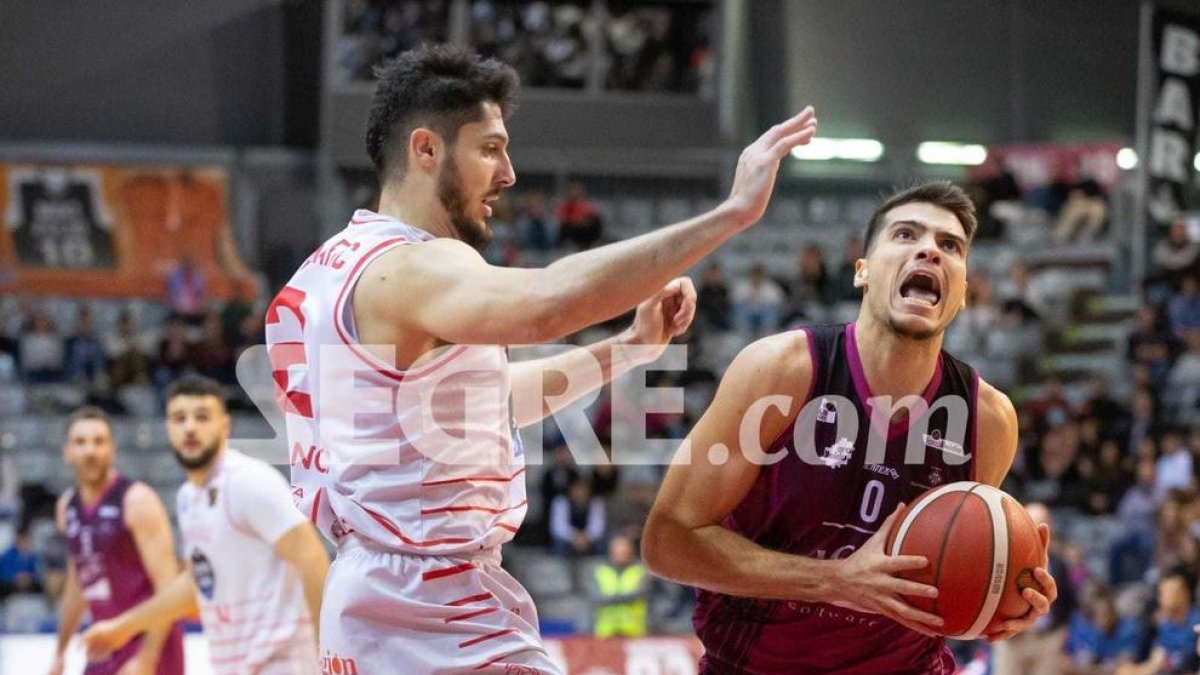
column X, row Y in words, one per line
column 982, row 548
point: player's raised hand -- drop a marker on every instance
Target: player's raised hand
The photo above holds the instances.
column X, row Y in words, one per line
column 1039, row 603
column 666, row 314
column 103, row 638
column 866, row 580
column 754, row 179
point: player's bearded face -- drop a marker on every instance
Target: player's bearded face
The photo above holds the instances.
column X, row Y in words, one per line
column 197, row 428
column 90, row 451
column 916, row 271
column 451, row 192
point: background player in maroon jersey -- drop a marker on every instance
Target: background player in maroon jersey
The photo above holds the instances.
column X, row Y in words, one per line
column 121, row 551
column 790, row 555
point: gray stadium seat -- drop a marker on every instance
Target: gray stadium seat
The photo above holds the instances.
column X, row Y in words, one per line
column 25, row 612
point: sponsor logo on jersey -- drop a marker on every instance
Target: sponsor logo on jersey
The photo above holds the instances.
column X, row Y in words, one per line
column 934, row 440
column 108, row 511
column 935, row 477
column 838, row 454
column 827, row 412
column 332, row 664
column 206, row 579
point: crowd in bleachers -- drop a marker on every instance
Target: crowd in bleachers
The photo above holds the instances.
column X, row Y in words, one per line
column 628, row 45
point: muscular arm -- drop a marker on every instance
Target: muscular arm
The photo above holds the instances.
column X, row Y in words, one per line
column 998, row 436
column 73, row 605
column 301, row 547
column 174, row 601
column 147, row 521
column 684, row 540
column 443, row 289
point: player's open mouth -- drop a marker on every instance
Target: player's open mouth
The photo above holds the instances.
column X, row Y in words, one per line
column 922, row 287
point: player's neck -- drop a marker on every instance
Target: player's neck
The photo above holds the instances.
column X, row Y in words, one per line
column 89, row 494
column 417, row 206
column 894, row 365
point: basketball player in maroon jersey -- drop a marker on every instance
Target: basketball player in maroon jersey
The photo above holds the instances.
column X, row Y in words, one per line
column 785, row 540
column 121, row 550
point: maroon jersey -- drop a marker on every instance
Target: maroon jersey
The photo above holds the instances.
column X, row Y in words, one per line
column 110, row 572
column 837, row 477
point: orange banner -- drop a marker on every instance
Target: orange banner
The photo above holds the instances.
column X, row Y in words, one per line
column 113, row 230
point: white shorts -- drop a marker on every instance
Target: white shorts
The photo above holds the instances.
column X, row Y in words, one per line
column 390, row 612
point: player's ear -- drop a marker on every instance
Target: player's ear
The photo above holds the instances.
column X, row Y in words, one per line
column 860, row 273
column 424, row 146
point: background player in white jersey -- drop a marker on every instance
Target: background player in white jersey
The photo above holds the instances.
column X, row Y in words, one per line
column 405, row 453
column 255, row 566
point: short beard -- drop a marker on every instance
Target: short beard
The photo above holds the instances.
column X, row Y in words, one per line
column 450, row 193
column 200, row 462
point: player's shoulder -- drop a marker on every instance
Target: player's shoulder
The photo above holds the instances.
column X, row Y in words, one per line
column 249, row 472
column 774, row 364
column 994, row 407
column 140, row 501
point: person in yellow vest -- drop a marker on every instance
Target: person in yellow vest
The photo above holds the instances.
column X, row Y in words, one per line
column 620, row 591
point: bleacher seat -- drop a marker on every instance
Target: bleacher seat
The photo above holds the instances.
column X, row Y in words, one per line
column 13, row 401
column 139, row 400
column 25, row 612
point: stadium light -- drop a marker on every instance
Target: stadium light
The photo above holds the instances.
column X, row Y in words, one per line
column 851, row 149
column 939, row 152
column 1127, row 159
column 1196, row 161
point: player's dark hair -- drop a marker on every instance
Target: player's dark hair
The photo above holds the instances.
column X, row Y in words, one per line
column 196, row 385
column 439, row 87
column 88, row 412
column 942, row 194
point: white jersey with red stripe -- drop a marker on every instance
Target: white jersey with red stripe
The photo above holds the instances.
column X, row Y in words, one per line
column 424, row 460
column 251, row 600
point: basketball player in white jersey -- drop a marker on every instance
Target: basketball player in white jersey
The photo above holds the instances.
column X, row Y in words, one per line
column 389, row 348
column 255, row 565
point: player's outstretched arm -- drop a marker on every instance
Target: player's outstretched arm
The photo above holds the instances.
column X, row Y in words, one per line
column 147, row 522
column 444, row 288
column 998, row 434
column 174, row 601
column 684, row 539
column 301, row 548
column 70, row 612
column 543, row 386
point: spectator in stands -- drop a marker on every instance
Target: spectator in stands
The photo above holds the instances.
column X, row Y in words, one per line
column 187, row 291
column 841, row 286
column 970, row 332
column 577, row 522
column 19, row 567
column 620, row 590
column 1018, row 295
column 605, row 479
column 85, row 359
column 997, row 197
column 809, row 289
column 211, row 356
column 1172, row 527
column 130, row 362
column 579, row 220
column 1183, row 310
column 1175, row 256
column 556, row 481
column 1174, row 469
column 1142, row 423
column 10, row 351
column 234, row 313
column 1183, row 383
column 757, row 302
column 1052, row 408
column 1102, row 407
column 1174, row 642
column 1084, row 210
column 41, row 350
column 1106, row 479
column 1099, row 640
column 1132, row 552
column 1149, row 344
column 534, row 226
column 1054, row 478
column 174, row 352
column 712, row 299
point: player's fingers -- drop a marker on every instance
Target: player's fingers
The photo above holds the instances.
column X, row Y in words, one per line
column 907, row 611
column 1049, row 585
column 903, row 563
column 1039, row 602
column 789, row 142
column 917, row 590
column 789, row 126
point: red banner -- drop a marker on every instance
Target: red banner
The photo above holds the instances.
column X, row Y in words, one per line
column 1036, row 166
column 105, row 230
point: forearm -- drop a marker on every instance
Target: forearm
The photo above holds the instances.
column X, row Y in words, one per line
column 152, row 643
column 558, row 381
column 175, row 601
column 601, row 283
column 719, row 560
column 312, row 576
column 69, row 617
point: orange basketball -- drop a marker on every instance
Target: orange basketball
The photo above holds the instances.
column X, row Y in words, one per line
column 982, row 548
